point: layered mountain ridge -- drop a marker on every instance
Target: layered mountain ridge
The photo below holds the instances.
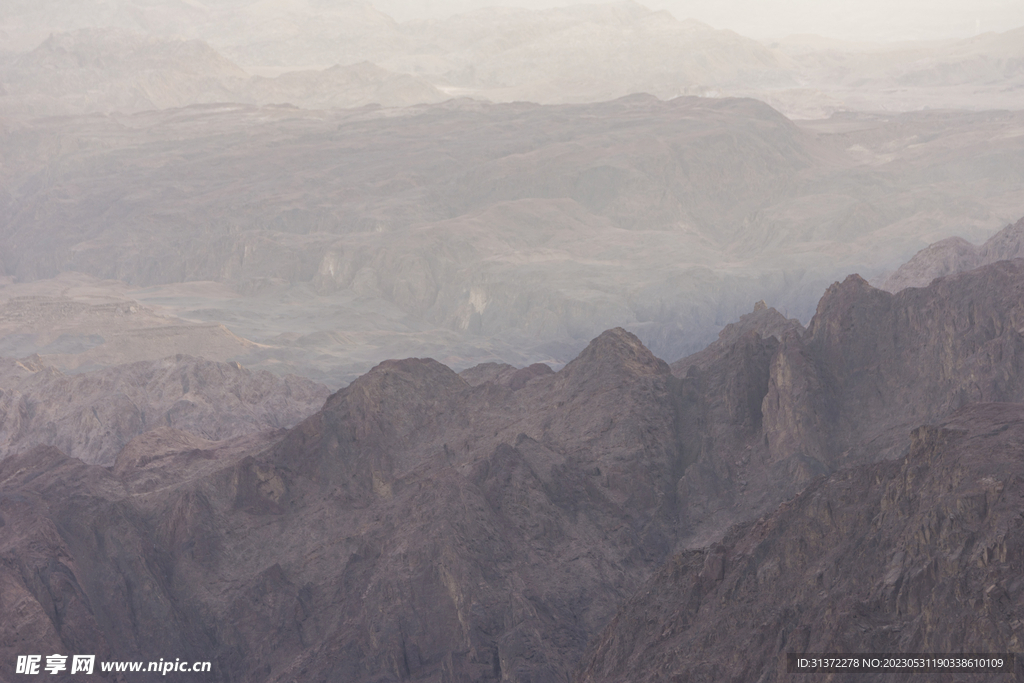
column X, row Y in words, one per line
column 580, row 53
column 474, row 232
column 429, row 526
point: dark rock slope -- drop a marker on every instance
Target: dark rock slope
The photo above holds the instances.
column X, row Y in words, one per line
column 767, row 414
column 416, row 527
column 921, row 555
column 435, row 527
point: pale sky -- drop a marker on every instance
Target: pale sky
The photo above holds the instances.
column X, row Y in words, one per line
column 880, row 20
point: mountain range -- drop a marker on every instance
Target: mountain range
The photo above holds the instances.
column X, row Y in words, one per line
column 134, row 55
column 218, row 218
column 328, row 241
column 526, row 524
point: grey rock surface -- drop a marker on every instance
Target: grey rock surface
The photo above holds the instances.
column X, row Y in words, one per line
column 93, row 415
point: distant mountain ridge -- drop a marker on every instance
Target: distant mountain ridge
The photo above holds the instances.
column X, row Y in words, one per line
column 954, row 255
column 114, row 70
column 483, row 232
column 574, row 54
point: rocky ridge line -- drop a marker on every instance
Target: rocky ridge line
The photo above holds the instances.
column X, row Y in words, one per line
column 429, row 526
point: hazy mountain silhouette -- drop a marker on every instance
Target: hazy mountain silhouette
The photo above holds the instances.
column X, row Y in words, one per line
column 483, row 232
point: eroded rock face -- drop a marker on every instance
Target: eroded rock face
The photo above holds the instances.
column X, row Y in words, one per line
column 872, row 364
column 919, row 555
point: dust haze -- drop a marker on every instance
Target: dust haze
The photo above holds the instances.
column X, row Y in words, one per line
column 329, row 185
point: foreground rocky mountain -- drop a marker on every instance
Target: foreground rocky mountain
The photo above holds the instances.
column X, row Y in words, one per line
column 921, row 555
column 781, row 410
column 426, row 525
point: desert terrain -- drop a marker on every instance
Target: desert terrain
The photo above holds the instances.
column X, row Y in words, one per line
column 355, row 341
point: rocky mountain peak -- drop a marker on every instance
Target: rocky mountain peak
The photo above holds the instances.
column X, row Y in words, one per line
column 763, row 321
column 1008, row 243
column 846, row 305
column 400, row 382
column 851, row 286
column 617, row 350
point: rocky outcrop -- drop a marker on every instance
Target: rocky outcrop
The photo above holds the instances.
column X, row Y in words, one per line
column 919, row 555
column 93, row 415
column 772, row 403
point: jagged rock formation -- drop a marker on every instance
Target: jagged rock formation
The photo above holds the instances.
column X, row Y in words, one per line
column 955, row 255
column 415, row 527
column 922, row 555
column 847, row 390
column 429, row 526
column 879, row 363
column 93, row 415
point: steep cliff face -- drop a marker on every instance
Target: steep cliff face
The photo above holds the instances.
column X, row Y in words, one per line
column 919, row 555
column 871, row 364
